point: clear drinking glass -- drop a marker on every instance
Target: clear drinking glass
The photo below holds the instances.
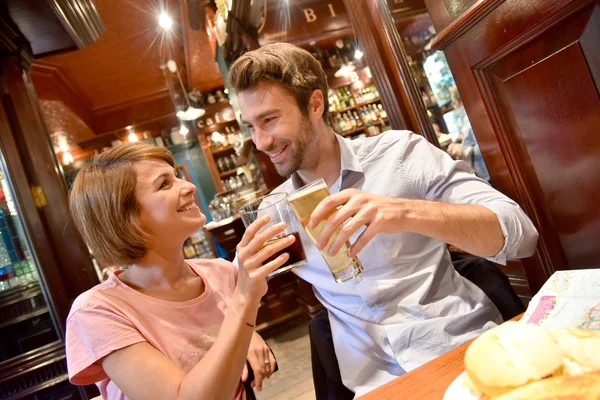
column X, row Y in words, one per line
column 303, row 202
column 276, row 205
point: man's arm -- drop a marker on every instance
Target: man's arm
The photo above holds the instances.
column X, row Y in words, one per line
column 449, row 223
column 454, row 206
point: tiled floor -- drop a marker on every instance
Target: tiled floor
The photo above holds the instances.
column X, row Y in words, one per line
column 293, row 381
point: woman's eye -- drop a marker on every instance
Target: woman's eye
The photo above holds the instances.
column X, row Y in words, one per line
column 164, row 184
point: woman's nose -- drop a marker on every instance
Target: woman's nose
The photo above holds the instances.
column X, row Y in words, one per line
column 188, row 188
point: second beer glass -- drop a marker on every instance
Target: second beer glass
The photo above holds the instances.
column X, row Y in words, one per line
column 303, row 202
column 277, row 207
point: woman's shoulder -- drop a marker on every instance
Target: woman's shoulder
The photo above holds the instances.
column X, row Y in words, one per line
column 98, row 296
column 211, row 264
column 217, row 270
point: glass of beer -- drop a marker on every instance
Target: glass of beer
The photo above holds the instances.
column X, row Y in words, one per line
column 276, row 205
column 304, row 201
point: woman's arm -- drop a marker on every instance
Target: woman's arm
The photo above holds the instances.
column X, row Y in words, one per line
column 142, row 372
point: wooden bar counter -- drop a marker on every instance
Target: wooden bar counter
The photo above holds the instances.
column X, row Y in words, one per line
column 429, row 381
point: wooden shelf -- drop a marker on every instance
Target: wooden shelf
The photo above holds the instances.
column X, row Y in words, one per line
column 216, row 107
column 347, row 133
column 344, row 109
column 217, row 125
column 357, row 105
column 228, row 173
column 220, row 150
column 366, row 103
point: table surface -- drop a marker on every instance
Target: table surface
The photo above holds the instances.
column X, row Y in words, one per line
column 429, row 381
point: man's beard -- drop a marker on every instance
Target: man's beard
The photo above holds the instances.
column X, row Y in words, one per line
column 298, row 150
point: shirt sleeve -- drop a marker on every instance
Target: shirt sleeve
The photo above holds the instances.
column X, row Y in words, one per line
column 437, row 177
column 93, row 332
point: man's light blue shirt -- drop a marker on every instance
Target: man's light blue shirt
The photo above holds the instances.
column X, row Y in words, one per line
column 411, row 305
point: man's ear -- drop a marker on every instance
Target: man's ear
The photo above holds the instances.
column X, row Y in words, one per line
column 316, row 105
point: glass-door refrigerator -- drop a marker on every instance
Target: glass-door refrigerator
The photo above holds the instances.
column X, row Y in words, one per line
column 32, row 357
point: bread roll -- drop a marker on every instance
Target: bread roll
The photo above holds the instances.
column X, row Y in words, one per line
column 511, row 355
column 582, row 387
column 581, row 348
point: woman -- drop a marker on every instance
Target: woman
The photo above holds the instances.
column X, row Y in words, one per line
column 165, row 327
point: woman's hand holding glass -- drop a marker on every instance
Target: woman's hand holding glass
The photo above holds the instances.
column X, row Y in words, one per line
column 252, row 253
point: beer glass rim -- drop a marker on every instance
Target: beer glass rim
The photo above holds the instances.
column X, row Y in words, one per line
column 296, row 193
column 243, row 209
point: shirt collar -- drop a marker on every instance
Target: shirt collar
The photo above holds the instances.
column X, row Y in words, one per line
column 351, row 170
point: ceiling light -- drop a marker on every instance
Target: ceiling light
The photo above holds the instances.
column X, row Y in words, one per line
column 132, row 137
column 164, row 21
column 345, row 70
column 172, row 66
column 358, row 54
column 191, row 113
column 67, row 158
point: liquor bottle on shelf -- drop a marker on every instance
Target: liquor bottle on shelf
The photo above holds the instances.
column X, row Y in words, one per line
column 350, row 120
column 210, row 99
column 220, row 96
column 317, row 53
column 374, row 110
column 341, row 124
column 359, row 121
column 382, row 112
column 349, row 98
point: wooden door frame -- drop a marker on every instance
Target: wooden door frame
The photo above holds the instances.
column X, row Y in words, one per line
column 500, row 152
column 385, row 55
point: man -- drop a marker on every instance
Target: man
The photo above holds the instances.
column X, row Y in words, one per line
column 401, row 200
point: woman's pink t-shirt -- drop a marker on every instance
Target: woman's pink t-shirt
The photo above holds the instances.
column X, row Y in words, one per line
column 112, row 315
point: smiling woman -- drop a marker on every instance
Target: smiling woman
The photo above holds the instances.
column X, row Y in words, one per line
column 164, row 327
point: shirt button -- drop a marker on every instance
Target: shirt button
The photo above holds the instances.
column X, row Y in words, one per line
column 404, row 359
column 377, row 306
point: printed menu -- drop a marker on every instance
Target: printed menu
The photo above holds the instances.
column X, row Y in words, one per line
column 568, row 298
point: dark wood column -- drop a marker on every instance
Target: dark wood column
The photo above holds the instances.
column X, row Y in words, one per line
column 44, row 176
column 529, row 80
column 378, row 38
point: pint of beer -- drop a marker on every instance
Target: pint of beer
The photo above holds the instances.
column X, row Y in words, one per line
column 303, row 202
column 277, row 207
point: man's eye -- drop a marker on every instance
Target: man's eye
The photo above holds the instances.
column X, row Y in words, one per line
column 267, row 120
column 164, row 184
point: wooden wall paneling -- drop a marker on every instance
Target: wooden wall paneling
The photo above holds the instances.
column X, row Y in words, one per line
column 43, row 170
column 210, row 161
column 44, row 254
column 538, row 107
column 527, row 73
column 386, row 58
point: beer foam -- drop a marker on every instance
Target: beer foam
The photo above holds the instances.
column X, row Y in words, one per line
column 305, row 192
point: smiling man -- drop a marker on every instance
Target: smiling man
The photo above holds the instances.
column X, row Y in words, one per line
column 400, row 201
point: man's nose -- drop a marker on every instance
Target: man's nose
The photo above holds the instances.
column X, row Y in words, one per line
column 262, row 140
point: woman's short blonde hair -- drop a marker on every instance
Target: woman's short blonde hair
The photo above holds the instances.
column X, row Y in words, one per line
column 103, row 203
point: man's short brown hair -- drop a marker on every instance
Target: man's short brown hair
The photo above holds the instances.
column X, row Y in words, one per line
column 103, row 203
column 292, row 68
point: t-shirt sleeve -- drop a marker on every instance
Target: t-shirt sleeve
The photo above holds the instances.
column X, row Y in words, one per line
column 93, row 332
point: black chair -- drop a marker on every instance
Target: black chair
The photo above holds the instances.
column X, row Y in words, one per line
column 326, row 371
column 492, row 281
